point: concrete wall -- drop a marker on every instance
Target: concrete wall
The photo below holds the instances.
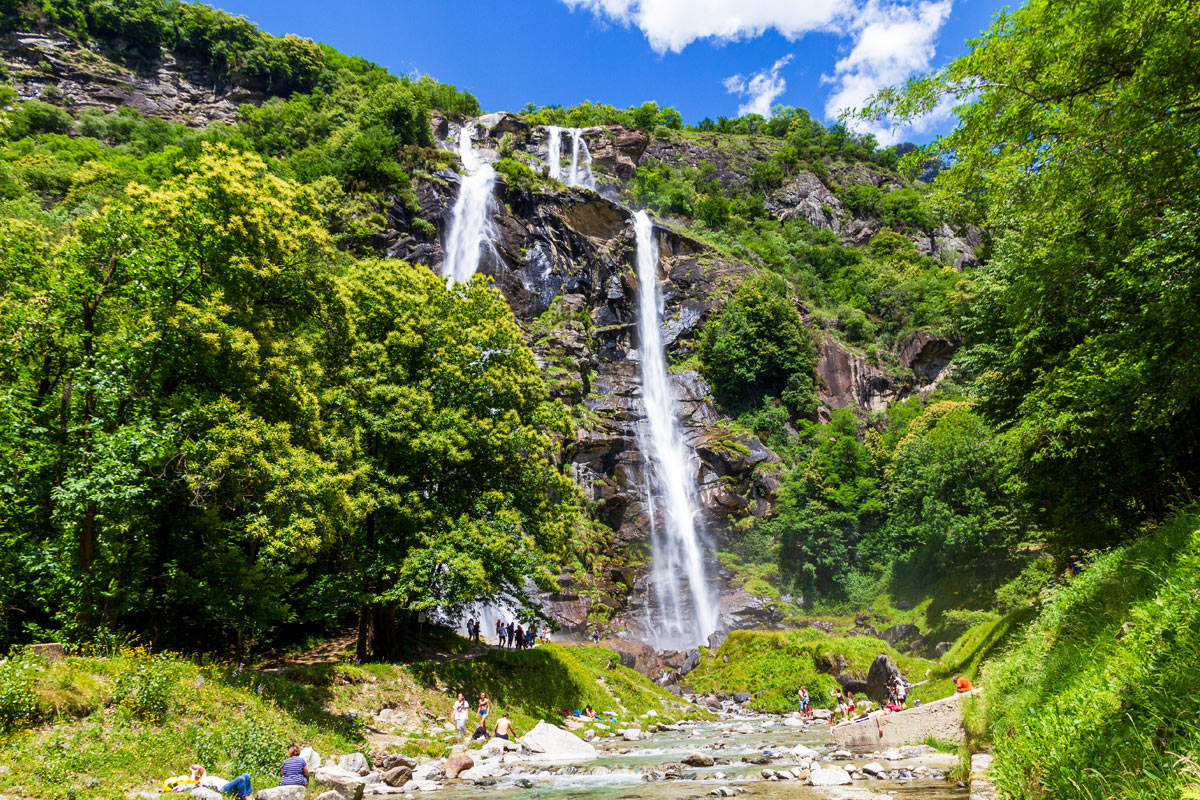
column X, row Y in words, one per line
column 941, row 719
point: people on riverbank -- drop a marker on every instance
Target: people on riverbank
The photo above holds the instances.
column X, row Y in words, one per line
column 294, row 769
column 484, row 707
column 803, row 701
column 504, row 728
column 462, row 711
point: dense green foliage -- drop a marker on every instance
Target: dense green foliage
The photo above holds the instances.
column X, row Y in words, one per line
column 217, row 426
column 1097, row 697
column 1084, row 333
column 757, row 346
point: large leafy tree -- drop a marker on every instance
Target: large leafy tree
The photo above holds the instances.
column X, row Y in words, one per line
column 1077, row 147
column 463, row 499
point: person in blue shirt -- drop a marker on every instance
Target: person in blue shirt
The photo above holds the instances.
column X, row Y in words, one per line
column 294, row 771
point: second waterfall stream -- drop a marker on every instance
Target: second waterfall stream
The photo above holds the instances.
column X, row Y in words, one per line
column 471, row 217
column 686, row 604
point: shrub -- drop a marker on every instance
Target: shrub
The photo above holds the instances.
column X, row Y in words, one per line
column 255, row 746
column 146, row 687
column 517, row 175
column 18, row 702
column 1032, row 580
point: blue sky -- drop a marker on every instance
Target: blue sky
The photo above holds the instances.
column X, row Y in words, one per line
column 704, row 57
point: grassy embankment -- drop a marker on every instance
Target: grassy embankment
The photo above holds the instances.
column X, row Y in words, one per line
column 1100, row 695
column 97, row 726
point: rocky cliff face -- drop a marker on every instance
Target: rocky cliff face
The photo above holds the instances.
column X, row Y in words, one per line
column 55, row 67
column 566, row 262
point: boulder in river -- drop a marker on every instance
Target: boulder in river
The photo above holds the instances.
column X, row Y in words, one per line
column 698, row 760
column 548, row 743
column 354, row 762
column 881, row 673
column 456, row 763
column 830, row 776
column 348, row 784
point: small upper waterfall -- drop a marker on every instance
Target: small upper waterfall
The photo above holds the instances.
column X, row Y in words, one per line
column 686, row 603
column 554, row 151
column 471, row 217
column 580, row 171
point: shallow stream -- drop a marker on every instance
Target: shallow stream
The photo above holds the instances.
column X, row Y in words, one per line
column 617, row 775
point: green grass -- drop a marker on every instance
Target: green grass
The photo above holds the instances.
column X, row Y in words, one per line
column 777, row 663
column 1099, row 697
column 99, row 726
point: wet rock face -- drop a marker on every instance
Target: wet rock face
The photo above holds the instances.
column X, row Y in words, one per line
column 165, row 86
column 846, row 379
column 565, row 261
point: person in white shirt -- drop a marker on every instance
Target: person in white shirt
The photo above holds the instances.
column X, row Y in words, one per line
column 462, row 710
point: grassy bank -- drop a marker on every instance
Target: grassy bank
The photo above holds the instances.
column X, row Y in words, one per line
column 1099, row 696
column 99, row 726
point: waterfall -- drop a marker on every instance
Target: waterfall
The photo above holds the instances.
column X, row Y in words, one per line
column 580, row 171
column 554, row 151
column 677, row 565
column 588, row 181
column 471, row 217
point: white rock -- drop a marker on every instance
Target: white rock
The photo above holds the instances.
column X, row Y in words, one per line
column 830, row 776
column 841, row 754
column 354, row 762
column 281, row 793
column 631, row 734
column 872, row 768
column 204, row 793
column 312, row 758
column 802, row 751
column 793, row 722
column 551, row 744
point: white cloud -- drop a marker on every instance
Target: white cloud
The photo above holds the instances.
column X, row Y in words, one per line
column 671, row 25
column 762, row 88
column 891, row 44
column 891, row 41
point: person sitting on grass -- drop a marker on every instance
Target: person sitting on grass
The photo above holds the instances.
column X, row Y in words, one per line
column 589, row 712
column 481, row 731
column 240, row 786
column 294, row 771
column 962, row 685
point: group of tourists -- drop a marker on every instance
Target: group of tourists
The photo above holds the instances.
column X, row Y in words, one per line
column 897, row 693
column 292, row 772
column 514, row 636
column 462, row 716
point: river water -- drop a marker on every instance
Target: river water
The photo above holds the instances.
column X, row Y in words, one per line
column 618, row 775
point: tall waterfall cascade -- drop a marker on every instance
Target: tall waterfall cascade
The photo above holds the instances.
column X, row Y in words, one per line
column 580, row 171
column 471, row 226
column 686, row 604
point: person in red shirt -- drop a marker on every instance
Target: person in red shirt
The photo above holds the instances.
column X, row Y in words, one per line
column 962, row 685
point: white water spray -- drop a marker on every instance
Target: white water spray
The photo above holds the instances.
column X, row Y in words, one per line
column 580, row 171
column 677, row 567
column 471, row 218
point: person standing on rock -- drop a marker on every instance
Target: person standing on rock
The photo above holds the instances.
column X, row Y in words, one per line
column 462, row 710
column 520, row 638
column 294, row 770
column 512, row 631
column 499, row 633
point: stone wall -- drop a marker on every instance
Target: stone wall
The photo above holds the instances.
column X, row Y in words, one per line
column 941, row 719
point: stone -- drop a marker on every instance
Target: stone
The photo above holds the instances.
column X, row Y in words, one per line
column 631, row 734
column 741, row 697
column 347, row 784
column 394, row 760
column 330, row 795
column 457, row 763
column 312, row 758
column 397, row 776
column 832, row 776
column 883, row 670
column 872, row 768
column 803, row 751
column 497, row 747
column 698, row 760
column 551, row 744
column 589, row 735
column 354, row 762
column 287, row 793
column 204, row 793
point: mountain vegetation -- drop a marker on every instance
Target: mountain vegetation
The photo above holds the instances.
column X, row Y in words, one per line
column 230, row 420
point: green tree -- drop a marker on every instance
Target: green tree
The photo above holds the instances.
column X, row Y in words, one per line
column 758, row 346
column 1084, row 336
column 463, row 499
